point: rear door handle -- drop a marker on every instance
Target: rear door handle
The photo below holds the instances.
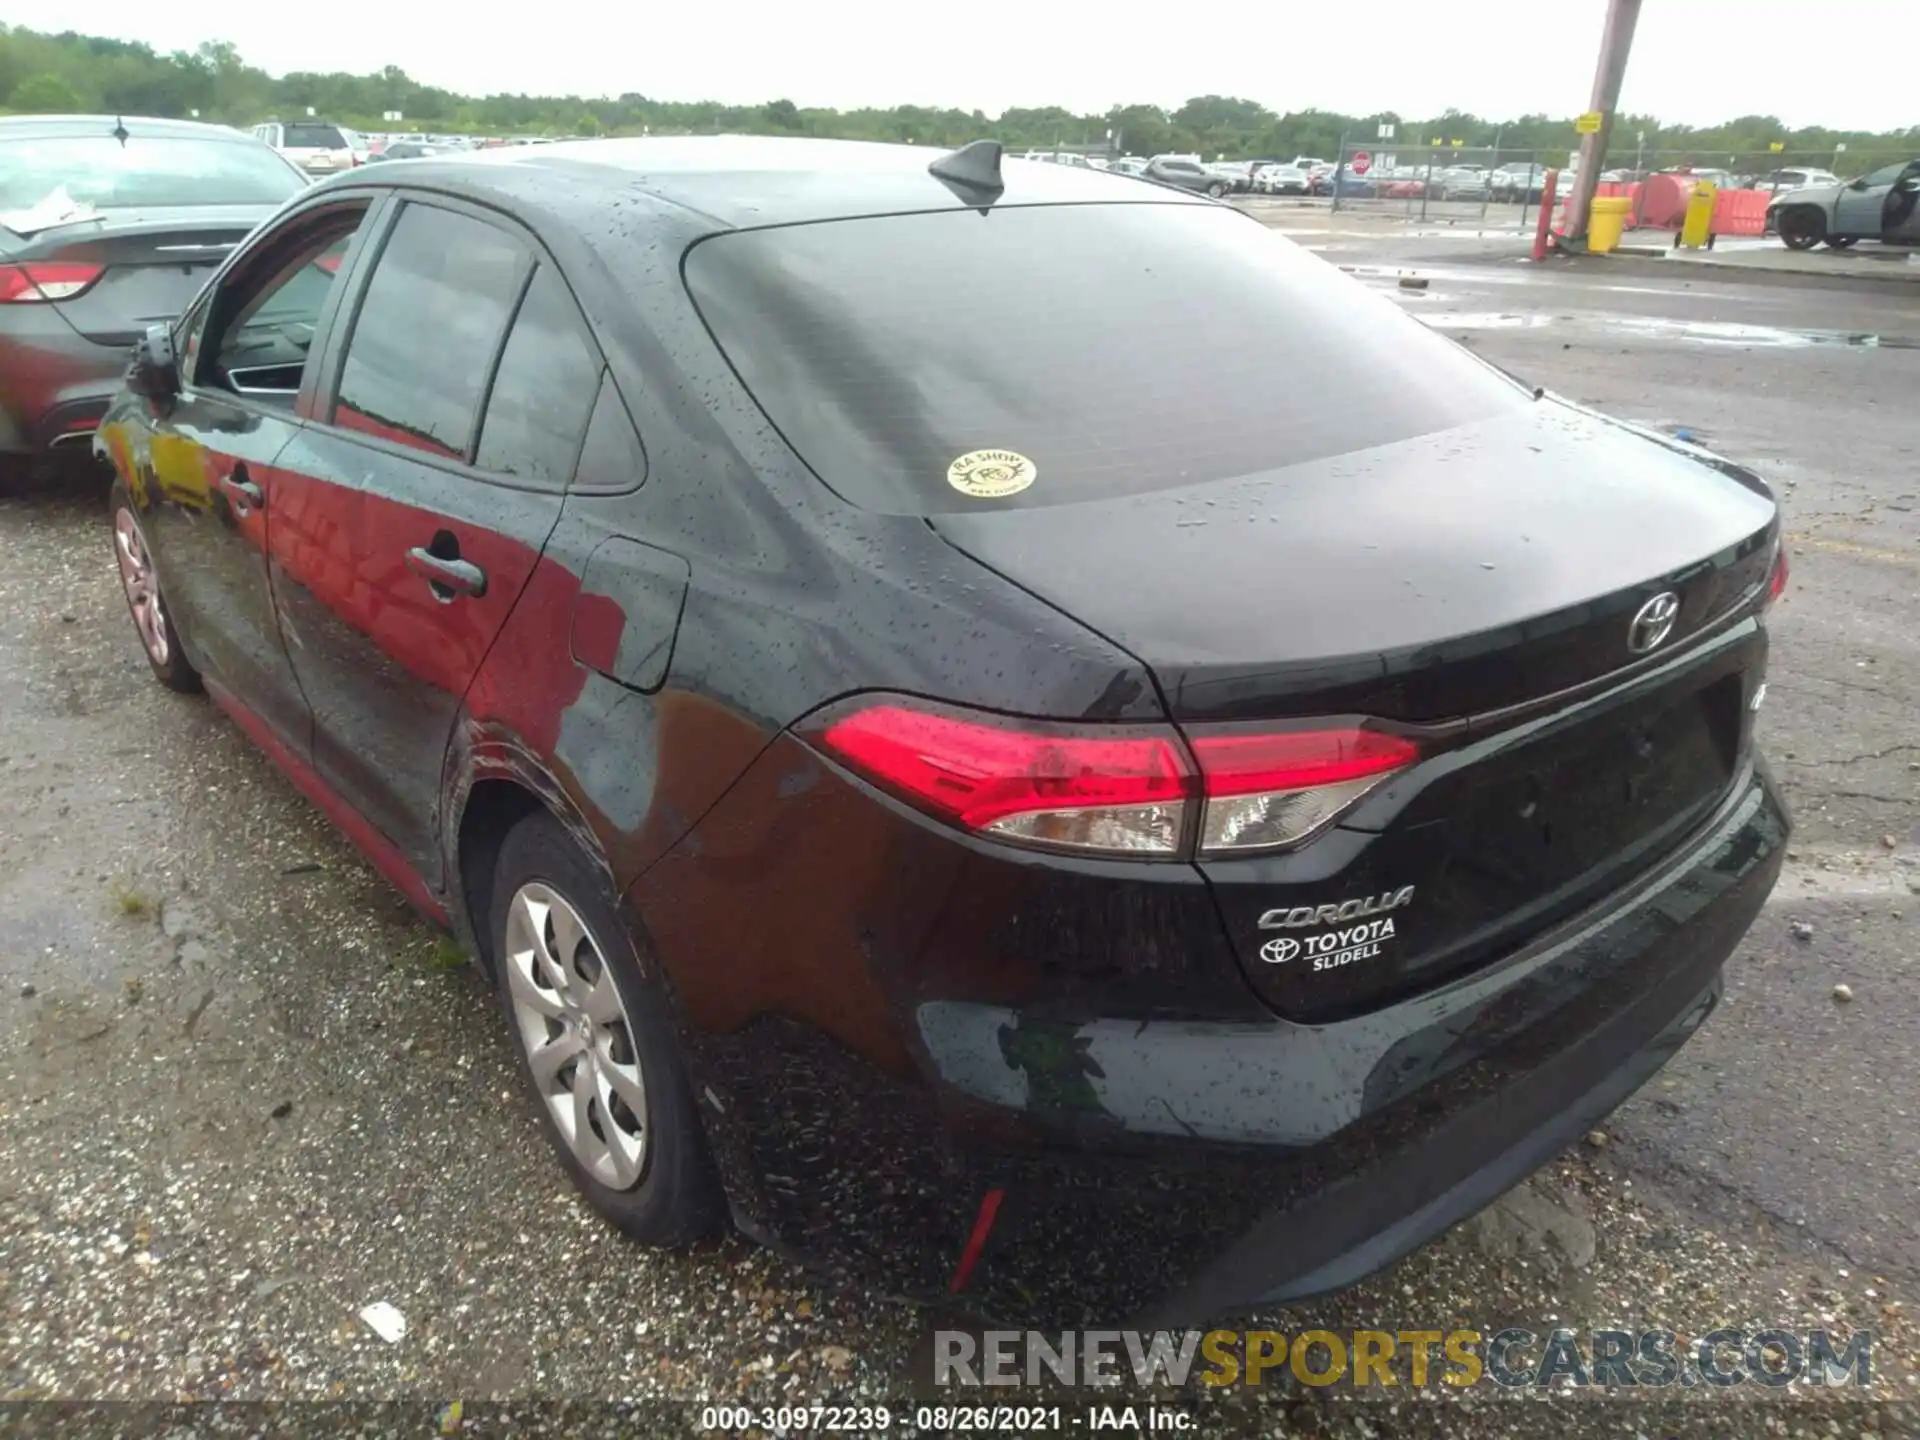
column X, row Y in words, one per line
column 244, row 494
column 447, row 578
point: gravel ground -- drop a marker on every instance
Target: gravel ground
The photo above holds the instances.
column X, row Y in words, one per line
column 245, row 1094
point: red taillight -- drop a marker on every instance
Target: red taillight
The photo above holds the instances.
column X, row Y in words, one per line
column 1777, row 580
column 33, row 282
column 1122, row 789
column 1297, row 759
column 1267, row 791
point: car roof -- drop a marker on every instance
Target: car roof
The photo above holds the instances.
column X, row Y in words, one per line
column 136, row 125
column 740, row 182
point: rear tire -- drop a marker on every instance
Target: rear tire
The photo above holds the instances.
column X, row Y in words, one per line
column 140, row 582
column 1802, row 228
column 1840, row 242
column 597, row 1044
column 1217, row 190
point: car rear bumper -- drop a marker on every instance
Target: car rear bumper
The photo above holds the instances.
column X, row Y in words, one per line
column 54, row 383
column 1366, row 1221
column 1180, row 1170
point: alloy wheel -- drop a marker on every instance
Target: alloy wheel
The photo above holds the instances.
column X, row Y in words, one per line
column 578, row 1040
column 143, row 590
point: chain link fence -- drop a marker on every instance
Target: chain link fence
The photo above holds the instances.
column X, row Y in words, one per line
column 1488, row 184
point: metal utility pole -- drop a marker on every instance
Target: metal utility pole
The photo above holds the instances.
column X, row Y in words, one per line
column 1616, row 41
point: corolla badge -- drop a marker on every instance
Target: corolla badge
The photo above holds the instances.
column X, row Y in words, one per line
column 1361, row 935
column 1305, row 917
column 1653, row 622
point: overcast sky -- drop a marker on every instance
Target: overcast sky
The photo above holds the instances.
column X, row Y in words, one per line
column 1845, row 63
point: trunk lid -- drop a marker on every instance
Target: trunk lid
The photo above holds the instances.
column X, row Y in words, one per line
column 1477, row 587
column 1446, row 575
column 155, row 262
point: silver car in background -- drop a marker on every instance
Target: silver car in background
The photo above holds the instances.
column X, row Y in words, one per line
column 1883, row 204
column 1281, row 180
column 317, row 147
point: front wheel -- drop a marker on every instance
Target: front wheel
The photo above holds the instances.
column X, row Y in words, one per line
column 151, row 619
column 1217, row 190
column 1802, row 228
column 1840, row 242
column 597, row 1044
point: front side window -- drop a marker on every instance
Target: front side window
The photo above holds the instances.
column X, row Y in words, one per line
column 258, row 333
column 428, row 329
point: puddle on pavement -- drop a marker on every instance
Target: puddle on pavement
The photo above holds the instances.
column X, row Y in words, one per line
column 1709, row 332
column 1696, row 332
column 1487, row 320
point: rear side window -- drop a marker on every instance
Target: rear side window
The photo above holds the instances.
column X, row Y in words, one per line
column 429, row 326
column 611, row 457
column 548, row 377
column 1118, row 349
column 314, row 137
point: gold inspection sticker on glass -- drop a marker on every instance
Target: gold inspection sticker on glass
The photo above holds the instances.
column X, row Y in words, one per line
column 990, row 474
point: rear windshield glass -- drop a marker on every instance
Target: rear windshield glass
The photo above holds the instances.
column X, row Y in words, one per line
column 314, row 137
column 98, row 172
column 1118, row 349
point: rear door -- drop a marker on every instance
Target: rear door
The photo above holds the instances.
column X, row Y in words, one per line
column 414, row 516
column 209, row 481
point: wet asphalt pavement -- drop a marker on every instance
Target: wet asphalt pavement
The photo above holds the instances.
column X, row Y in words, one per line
column 244, row 1094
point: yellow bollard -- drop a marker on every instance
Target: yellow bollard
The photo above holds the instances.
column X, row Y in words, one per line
column 1605, row 222
column 1696, row 230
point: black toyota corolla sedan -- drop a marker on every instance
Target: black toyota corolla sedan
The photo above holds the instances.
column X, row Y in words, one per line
column 1006, row 730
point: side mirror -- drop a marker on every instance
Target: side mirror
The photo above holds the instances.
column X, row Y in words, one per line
column 1858, row 185
column 154, row 373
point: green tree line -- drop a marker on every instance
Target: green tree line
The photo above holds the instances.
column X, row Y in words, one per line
column 42, row 73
